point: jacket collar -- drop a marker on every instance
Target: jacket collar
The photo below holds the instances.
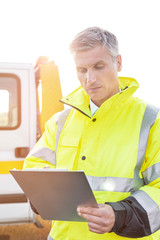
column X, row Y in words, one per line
column 79, row 99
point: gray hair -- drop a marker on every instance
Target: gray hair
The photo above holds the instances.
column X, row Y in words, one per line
column 92, row 37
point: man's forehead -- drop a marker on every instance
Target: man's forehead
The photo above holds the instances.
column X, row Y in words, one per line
column 91, row 56
column 88, row 64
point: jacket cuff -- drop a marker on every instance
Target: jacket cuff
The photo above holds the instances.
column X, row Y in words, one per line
column 120, row 215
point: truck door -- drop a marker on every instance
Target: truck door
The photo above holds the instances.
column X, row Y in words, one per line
column 17, row 136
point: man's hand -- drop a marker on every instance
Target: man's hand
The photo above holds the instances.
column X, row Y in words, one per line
column 100, row 220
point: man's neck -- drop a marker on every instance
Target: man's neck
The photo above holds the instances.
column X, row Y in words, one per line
column 96, row 106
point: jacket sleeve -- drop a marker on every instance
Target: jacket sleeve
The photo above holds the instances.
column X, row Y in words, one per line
column 43, row 153
column 139, row 214
column 131, row 219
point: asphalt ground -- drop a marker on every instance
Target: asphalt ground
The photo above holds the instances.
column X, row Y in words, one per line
column 27, row 231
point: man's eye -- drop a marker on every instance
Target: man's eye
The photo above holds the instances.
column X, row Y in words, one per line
column 81, row 70
column 99, row 66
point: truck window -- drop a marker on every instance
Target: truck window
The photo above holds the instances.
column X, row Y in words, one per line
column 9, row 101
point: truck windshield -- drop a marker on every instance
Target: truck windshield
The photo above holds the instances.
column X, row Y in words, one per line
column 9, row 101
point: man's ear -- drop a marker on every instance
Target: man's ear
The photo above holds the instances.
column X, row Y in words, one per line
column 119, row 63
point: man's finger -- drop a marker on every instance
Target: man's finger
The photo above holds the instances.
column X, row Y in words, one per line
column 89, row 217
column 88, row 210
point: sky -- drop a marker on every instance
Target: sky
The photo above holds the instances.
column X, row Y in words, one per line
column 33, row 28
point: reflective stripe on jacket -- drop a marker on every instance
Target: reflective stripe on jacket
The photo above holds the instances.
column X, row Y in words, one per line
column 118, row 148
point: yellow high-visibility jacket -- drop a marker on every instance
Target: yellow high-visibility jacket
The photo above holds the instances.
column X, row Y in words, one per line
column 118, row 149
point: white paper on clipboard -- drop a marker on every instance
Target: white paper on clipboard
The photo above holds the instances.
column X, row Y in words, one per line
column 56, row 194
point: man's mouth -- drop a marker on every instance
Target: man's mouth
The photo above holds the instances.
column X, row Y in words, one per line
column 93, row 89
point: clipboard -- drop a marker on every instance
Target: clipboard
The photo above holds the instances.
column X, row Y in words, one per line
column 56, row 194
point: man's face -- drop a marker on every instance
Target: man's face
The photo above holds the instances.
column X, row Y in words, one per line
column 98, row 73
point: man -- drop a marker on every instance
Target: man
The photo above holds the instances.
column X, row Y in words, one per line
column 114, row 138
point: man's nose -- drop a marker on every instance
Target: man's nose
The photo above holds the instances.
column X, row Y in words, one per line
column 90, row 76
